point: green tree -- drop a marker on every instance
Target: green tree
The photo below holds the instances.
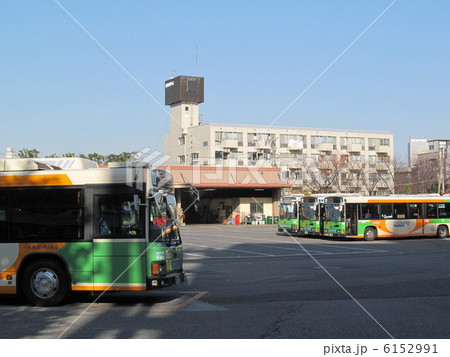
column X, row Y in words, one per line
column 28, row 153
column 98, row 158
column 123, row 157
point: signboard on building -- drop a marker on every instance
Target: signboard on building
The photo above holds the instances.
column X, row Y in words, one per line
column 184, row 89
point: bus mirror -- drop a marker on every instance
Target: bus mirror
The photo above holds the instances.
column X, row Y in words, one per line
column 160, row 192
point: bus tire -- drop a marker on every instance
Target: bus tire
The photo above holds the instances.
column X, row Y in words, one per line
column 442, row 232
column 45, row 283
column 370, row 234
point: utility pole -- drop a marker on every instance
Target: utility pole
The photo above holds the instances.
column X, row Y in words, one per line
column 444, row 177
column 441, row 182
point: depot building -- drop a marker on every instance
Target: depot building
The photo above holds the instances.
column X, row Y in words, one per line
column 231, row 195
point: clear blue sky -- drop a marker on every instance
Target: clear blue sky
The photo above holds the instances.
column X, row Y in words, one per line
column 60, row 92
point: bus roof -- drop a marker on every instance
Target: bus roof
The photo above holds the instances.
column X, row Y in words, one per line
column 36, row 164
column 30, row 172
column 398, row 199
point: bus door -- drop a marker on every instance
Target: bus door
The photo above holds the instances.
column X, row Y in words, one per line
column 119, row 242
column 351, row 219
column 430, row 213
column 416, row 216
column 321, row 217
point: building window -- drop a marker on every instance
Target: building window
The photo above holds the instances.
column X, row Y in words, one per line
column 205, row 143
column 194, row 158
column 317, row 140
column 182, row 140
column 347, row 142
column 374, row 142
column 218, row 137
column 181, row 159
column 251, row 139
column 256, row 208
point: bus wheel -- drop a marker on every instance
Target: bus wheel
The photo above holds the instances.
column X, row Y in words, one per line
column 370, row 234
column 442, row 232
column 45, row 283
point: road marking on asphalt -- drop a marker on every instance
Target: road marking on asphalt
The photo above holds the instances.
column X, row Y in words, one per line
column 182, row 304
column 311, row 248
column 211, row 237
column 231, row 249
column 199, row 295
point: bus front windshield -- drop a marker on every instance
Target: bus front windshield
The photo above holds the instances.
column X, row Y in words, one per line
column 309, row 211
column 163, row 225
column 288, row 211
column 334, row 212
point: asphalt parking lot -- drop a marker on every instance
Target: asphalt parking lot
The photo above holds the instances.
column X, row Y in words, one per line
column 250, row 282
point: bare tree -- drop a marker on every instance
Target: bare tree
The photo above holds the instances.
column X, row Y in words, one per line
column 426, row 173
column 322, row 173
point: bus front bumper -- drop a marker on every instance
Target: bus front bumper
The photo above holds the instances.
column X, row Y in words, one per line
column 309, row 233
column 165, row 281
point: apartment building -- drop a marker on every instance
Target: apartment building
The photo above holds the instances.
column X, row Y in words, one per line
column 312, row 160
column 429, row 167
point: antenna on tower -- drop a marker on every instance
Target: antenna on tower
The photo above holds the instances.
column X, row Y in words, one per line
column 196, row 60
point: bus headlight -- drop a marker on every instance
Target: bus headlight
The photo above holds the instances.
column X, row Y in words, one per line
column 158, row 268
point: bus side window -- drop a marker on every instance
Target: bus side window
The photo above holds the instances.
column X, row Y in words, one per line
column 386, row 210
column 117, row 217
column 444, row 210
column 400, row 210
column 370, row 211
column 40, row 214
column 414, row 211
column 431, row 211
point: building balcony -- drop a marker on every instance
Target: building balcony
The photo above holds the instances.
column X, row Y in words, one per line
column 293, row 165
column 325, row 147
column 382, row 166
column 230, row 143
column 354, row 148
column 262, row 144
column 382, row 149
column 355, row 165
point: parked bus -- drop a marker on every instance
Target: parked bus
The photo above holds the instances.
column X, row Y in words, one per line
column 311, row 216
column 289, row 208
column 86, row 229
column 372, row 217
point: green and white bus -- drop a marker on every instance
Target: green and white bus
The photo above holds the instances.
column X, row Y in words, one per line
column 289, row 208
column 311, row 216
column 372, row 217
column 85, row 228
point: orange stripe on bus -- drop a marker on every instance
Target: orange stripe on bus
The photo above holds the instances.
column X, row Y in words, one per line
column 34, row 180
column 28, row 248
